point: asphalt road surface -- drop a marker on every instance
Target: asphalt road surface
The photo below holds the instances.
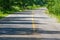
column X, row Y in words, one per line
column 29, row 25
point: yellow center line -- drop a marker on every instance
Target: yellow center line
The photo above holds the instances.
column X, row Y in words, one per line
column 34, row 26
column 33, row 22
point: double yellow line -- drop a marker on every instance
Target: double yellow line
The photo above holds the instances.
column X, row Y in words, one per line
column 33, row 22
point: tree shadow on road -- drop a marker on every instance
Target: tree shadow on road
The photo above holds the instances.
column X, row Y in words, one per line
column 16, row 31
column 24, row 31
column 20, row 38
column 41, row 31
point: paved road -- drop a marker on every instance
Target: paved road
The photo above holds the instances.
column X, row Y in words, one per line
column 29, row 25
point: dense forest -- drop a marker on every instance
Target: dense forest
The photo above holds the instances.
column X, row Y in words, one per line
column 9, row 6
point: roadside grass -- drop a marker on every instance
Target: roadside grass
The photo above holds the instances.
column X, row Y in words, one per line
column 58, row 17
column 53, row 16
column 2, row 15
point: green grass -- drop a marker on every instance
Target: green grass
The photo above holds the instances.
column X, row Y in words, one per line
column 2, row 15
column 53, row 16
column 58, row 17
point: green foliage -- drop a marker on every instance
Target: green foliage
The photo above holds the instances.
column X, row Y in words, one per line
column 54, row 8
column 8, row 6
column 2, row 15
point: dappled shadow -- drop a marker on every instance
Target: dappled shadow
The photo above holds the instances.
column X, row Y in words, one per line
column 22, row 38
column 24, row 12
column 17, row 18
column 41, row 31
column 49, row 32
column 7, row 22
column 25, row 31
column 16, row 31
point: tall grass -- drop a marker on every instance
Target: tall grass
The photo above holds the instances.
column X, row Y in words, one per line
column 55, row 8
